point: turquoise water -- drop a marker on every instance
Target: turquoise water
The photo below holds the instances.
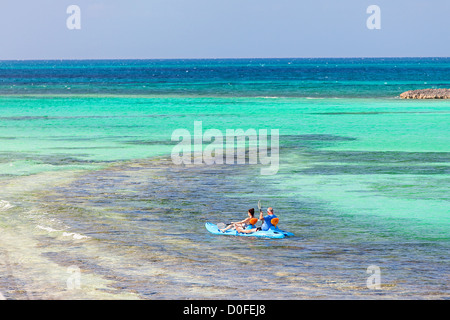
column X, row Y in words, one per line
column 87, row 180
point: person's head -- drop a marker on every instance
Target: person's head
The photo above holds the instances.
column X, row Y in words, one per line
column 270, row 210
column 251, row 212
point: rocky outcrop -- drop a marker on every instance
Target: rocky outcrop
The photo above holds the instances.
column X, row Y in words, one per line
column 426, row 94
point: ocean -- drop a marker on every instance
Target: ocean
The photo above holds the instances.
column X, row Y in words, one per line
column 92, row 206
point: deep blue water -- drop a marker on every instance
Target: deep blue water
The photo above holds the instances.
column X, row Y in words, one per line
column 358, row 77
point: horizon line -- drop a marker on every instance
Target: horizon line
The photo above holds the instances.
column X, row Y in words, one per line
column 228, row 58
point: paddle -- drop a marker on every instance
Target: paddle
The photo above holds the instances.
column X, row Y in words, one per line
column 222, row 225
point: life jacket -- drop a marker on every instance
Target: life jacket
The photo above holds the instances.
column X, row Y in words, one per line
column 252, row 223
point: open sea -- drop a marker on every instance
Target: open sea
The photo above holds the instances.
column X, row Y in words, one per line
column 93, row 207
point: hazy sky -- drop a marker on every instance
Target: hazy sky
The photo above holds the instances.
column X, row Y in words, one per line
column 36, row 29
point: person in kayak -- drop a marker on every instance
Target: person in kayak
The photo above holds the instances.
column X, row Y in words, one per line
column 267, row 220
column 243, row 224
column 250, row 228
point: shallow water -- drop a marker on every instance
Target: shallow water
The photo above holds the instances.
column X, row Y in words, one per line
column 139, row 226
column 86, row 181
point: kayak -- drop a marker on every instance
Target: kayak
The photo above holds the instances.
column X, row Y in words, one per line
column 273, row 233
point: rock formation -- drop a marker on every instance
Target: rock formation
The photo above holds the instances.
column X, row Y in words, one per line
column 426, row 94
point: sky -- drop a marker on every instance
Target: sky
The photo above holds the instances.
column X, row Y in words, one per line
column 167, row 29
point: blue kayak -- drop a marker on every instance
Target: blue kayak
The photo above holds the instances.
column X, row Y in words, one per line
column 273, row 232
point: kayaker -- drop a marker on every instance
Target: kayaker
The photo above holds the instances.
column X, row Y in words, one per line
column 241, row 224
column 267, row 219
column 249, row 228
